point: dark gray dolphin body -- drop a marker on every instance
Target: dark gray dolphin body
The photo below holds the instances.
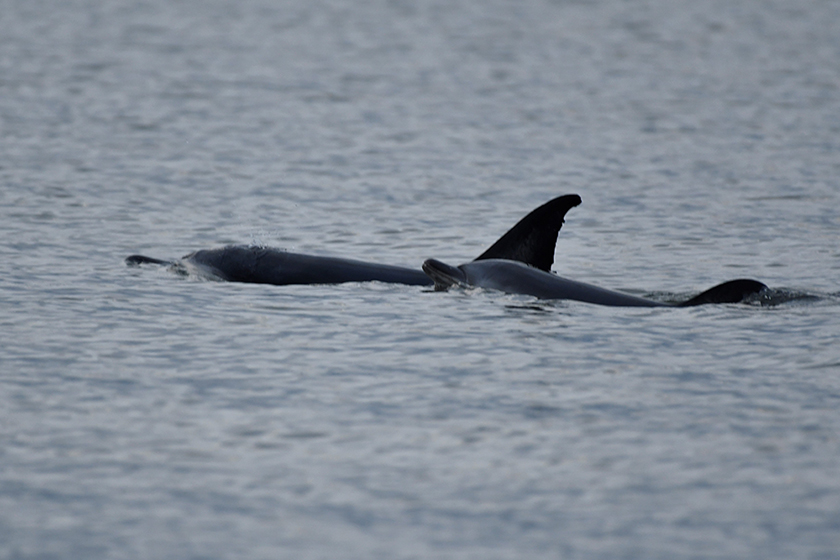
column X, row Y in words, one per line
column 264, row 265
column 517, row 278
column 532, row 241
column 518, row 262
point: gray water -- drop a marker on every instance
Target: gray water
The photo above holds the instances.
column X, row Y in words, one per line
column 145, row 414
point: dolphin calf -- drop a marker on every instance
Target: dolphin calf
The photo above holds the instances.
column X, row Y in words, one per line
column 531, row 241
column 518, row 278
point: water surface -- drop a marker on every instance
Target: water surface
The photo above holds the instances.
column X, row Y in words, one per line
column 149, row 415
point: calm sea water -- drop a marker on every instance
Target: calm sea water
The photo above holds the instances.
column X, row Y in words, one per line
column 148, row 415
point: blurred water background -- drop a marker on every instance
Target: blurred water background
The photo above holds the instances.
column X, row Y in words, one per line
column 148, row 415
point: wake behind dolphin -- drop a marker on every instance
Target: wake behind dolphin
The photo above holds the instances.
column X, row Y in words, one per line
column 531, row 241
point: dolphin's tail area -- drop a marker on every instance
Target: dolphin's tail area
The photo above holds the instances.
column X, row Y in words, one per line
column 533, row 239
column 734, row 291
column 137, row 260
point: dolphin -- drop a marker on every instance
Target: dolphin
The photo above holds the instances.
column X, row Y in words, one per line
column 518, row 278
column 531, row 241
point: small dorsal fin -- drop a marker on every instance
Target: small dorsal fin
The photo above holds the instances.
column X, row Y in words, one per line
column 734, row 291
column 533, row 239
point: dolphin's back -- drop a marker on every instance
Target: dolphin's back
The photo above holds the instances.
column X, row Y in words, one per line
column 263, row 265
column 517, row 278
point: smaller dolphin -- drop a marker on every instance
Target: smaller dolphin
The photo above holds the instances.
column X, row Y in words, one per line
column 517, row 278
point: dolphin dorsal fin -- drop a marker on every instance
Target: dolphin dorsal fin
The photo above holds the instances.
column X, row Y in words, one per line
column 734, row 291
column 533, row 239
